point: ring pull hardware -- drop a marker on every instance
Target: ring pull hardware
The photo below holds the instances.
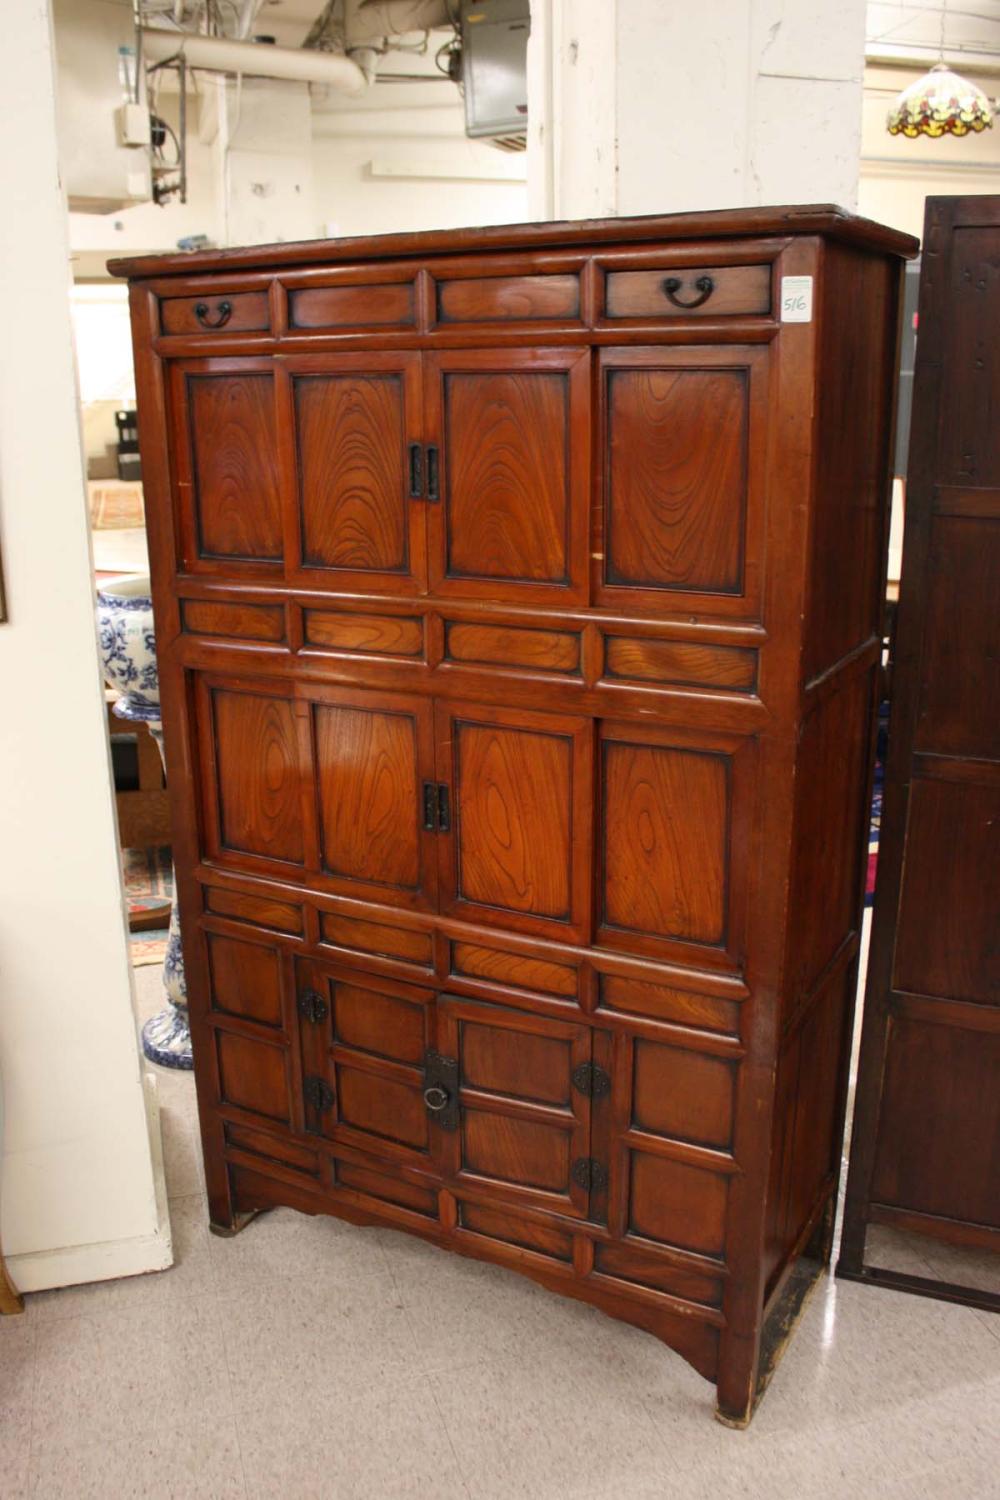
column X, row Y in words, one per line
column 705, row 286
column 441, row 1089
column 224, row 313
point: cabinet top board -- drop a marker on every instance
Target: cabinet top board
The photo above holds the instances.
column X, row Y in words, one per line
column 815, row 218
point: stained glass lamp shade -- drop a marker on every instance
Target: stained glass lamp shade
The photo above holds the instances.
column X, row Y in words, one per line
column 940, row 103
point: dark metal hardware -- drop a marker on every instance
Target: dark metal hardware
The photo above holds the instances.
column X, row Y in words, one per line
column 416, row 471
column 432, row 474
column 436, row 806
column 441, row 1088
column 202, row 310
column 312, row 1006
column 317, row 1093
column 590, row 1078
column 704, row 284
column 590, row 1174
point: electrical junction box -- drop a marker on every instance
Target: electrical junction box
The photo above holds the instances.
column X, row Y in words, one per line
column 494, row 69
column 133, row 125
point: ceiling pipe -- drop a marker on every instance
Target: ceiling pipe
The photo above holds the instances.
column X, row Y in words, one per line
column 222, row 55
column 372, row 21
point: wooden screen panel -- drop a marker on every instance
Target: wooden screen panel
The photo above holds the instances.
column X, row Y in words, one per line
column 946, row 941
column 368, row 779
column 520, row 816
column 666, row 841
column 685, row 1095
column 960, row 680
column 237, row 509
column 258, row 775
column 969, row 435
column 511, row 431
column 677, row 1204
column 522, row 1125
column 253, row 1076
column 940, row 1121
column 245, row 979
column 350, row 430
column 677, row 478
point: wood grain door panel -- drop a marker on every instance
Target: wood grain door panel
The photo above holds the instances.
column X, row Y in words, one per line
column 512, row 431
column 523, row 1124
column 675, row 821
column 227, row 472
column 683, row 479
column 353, row 418
column 518, row 849
column 371, row 752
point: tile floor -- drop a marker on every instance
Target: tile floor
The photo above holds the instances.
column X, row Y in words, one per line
column 307, row 1358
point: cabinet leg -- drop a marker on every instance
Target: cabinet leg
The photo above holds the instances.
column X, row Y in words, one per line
column 240, row 1222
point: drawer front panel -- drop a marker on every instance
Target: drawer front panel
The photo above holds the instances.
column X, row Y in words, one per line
column 215, row 313
column 247, row 622
column 377, row 306
column 513, row 646
column 508, row 299
column 679, row 663
column 262, row 911
column 689, row 291
column 375, row 635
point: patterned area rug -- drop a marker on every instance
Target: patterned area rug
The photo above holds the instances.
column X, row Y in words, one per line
column 149, row 881
column 875, row 817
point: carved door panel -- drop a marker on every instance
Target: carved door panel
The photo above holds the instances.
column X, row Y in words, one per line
column 226, row 470
column 356, row 470
column 683, row 434
column 522, row 1128
column 363, row 1041
column 519, row 801
column 508, row 436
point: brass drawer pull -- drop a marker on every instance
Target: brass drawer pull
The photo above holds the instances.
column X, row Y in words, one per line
column 704, row 284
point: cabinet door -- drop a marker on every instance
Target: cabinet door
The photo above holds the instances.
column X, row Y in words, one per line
column 356, row 473
column 520, row 807
column 365, row 1038
column 509, row 449
column 226, row 468
column 372, row 753
column 683, row 443
column 523, row 1129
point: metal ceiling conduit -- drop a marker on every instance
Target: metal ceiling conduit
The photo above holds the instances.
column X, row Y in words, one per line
column 223, row 55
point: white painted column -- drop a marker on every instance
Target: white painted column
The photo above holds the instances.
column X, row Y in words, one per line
column 638, row 106
column 82, row 1187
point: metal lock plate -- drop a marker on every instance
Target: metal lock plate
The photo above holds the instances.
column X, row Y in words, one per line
column 441, row 1089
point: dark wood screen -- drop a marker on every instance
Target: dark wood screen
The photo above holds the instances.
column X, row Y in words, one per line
column 926, row 1144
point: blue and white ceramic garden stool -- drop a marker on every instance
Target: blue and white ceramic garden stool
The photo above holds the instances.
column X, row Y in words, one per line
column 128, row 655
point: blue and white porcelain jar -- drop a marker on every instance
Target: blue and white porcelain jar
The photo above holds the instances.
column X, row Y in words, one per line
column 128, row 655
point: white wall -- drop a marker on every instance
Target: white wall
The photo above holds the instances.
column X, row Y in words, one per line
column 82, row 1194
column 636, row 106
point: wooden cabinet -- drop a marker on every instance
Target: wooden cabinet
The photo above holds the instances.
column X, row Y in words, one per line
column 518, row 608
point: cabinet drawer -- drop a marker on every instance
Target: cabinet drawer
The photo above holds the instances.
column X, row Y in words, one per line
column 215, row 312
column 688, row 291
column 381, row 305
column 506, row 299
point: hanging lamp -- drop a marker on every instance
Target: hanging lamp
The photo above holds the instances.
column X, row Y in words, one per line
column 940, row 103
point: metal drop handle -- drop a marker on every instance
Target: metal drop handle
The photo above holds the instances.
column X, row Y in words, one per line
column 436, row 1098
column 704, row 284
column 202, row 310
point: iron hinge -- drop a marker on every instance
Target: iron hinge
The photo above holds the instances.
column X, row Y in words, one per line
column 590, row 1174
column 591, row 1079
column 312, row 1006
column 319, row 1095
column 441, row 1089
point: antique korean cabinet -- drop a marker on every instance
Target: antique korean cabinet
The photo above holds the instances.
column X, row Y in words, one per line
column 518, row 599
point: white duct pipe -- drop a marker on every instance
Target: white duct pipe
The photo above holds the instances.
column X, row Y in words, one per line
column 221, row 55
column 371, row 21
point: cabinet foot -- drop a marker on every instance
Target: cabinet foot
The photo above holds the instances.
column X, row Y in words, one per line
column 11, row 1301
column 240, row 1221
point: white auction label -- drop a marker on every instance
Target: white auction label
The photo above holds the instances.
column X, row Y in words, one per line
column 796, row 299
